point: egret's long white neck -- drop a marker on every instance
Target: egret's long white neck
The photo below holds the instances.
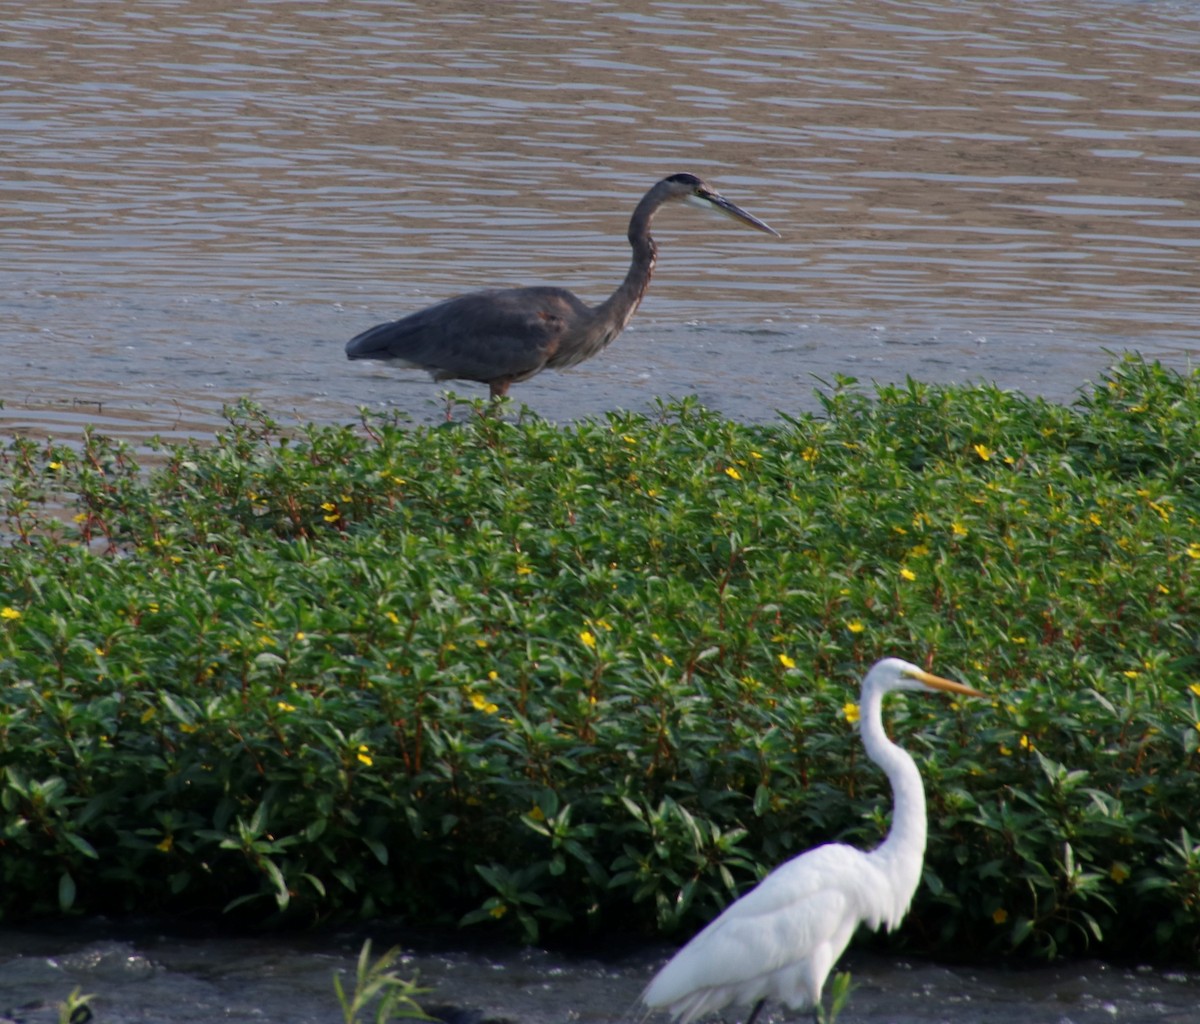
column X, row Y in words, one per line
column 902, row 852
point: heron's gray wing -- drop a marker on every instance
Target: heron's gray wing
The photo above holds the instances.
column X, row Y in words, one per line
column 479, row 336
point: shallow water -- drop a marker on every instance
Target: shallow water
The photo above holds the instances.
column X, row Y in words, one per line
column 202, row 200
column 141, row 975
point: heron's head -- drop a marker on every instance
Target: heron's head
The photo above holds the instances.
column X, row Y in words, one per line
column 896, row 674
column 690, row 189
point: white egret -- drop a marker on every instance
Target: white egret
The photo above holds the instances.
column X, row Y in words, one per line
column 781, row 939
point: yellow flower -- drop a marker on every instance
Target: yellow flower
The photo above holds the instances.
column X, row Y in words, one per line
column 983, row 451
column 364, row 755
column 1005, row 751
column 1193, row 550
column 809, row 455
column 480, row 642
column 493, row 675
column 481, row 703
column 786, row 662
column 850, row 712
column 1119, row 873
column 537, row 814
column 300, row 636
column 1131, row 673
column 668, row 660
column 523, row 570
column 328, row 506
column 188, row 727
column 855, row 626
column 166, row 845
column 498, row 911
column 1195, row 688
column 56, row 465
column 587, row 638
column 732, row 473
column 908, row 574
column 9, row 613
column 628, row 439
column 1000, row 915
column 283, row 705
column 393, row 618
column 958, row 529
column 1027, row 743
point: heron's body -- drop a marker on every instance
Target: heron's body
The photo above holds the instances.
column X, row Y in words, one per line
column 781, row 939
column 507, row 335
column 467, row 337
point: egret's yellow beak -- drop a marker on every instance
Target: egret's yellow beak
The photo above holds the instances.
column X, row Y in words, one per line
column 938, row 683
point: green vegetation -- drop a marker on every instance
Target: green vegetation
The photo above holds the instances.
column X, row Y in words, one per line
column 76, row 1009
column 839, row 993
column 376, row 981
column 557, row 679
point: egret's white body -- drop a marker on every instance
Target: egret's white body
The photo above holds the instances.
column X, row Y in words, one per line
column 781, row 939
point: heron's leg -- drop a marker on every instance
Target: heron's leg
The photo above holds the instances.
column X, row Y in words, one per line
column 499, row 388
column 754, row 1013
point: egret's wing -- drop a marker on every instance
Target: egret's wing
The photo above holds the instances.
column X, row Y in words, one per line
column 478, row 336
column 809, row 905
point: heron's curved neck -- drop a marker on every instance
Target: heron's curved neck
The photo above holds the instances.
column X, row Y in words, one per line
column 617, row 309
column 902, row 852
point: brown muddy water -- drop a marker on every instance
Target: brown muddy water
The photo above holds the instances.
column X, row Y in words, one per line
column 201, row 201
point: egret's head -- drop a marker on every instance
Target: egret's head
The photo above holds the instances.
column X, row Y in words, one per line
column 690, row 189
column 897, row 674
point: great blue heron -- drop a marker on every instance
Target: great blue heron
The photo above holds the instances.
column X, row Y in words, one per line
column 509, row 334
column 780, row 940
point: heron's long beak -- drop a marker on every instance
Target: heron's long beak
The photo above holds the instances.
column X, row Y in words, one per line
column 714, row 200
column 938, row 683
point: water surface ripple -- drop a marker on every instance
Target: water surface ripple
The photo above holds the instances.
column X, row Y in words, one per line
column 201, row 200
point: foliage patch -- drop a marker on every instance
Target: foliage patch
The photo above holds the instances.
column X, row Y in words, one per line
column 603, row 676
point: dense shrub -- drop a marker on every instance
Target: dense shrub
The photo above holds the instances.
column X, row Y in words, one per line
column 597, row 676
